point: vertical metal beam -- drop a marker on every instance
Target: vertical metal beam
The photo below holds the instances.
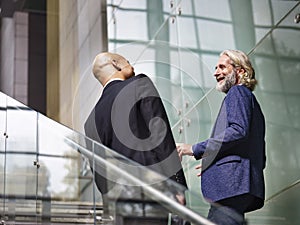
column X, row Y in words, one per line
column 104, row 25
column 243, row 24
column 52, row 69
column 158, row 30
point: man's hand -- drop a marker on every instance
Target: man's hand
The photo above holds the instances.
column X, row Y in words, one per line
column 180, row 198
column 198, row 168
column 184, row 149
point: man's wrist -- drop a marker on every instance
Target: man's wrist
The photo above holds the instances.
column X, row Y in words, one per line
column 192, row 151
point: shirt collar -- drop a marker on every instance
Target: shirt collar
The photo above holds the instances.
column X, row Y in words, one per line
column 111, row 80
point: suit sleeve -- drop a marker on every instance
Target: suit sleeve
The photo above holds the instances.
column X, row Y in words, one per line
column 232, row 125
column 152, row 107
column 165, row 151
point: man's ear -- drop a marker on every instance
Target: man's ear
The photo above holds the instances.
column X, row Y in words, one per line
column 241, row 70
column 114, row 63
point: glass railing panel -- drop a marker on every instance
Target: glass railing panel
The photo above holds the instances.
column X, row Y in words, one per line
column 137, row 192
column 62, row 185
column 44, row 180
column 20, row 155
column 20, row 127
column 126, row 180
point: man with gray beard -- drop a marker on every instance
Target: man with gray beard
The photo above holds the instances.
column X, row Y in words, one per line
column 233, row 158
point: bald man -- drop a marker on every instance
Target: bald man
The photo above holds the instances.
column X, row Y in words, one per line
column 130, row 118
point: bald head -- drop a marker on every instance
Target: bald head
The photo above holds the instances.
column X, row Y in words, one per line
column 108, row 65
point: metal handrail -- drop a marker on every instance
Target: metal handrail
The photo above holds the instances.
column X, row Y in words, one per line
column 169, row 203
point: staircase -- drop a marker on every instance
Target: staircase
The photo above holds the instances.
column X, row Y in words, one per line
column 52, row 212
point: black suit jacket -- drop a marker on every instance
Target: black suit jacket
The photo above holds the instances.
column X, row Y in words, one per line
column 130, row 119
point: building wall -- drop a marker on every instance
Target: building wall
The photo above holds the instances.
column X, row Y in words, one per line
column 82, row 37
column 23, row 53
column 14, row 57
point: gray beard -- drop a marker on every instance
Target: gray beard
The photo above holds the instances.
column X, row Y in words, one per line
column 227, row 83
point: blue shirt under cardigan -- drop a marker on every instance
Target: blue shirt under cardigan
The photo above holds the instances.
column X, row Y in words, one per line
column 234, row 155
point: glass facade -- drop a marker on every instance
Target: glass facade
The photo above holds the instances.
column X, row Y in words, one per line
column 177, row 43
